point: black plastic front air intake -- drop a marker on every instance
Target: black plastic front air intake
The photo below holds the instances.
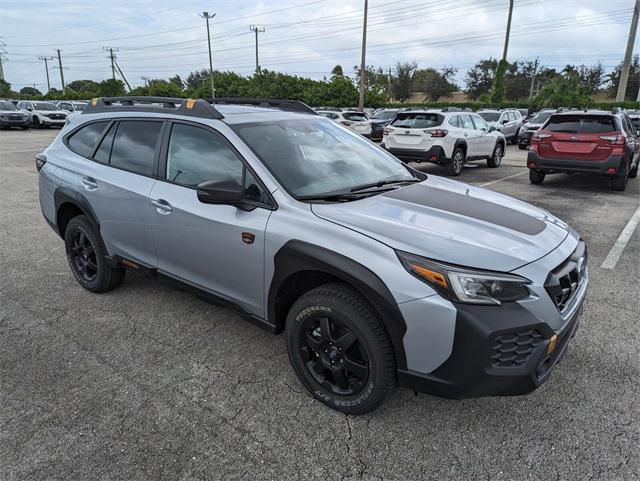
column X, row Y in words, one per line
column 564, row 281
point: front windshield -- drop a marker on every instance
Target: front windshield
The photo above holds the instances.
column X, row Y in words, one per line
column 79, row 107
column 313, row 156
column 384, row 115
column 44, row 106
column 7, row 106
column 490, row 116
column 540, row 118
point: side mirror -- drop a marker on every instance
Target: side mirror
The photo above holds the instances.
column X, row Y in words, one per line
column 492, row 129
column 504, row 121
column 227, row 192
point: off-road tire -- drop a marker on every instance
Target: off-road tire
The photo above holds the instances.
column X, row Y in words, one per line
column 106, row 276
column 341, row 305
column 496, row 157
column 454, row 168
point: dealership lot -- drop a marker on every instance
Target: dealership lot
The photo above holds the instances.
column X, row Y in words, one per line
column 147, row 382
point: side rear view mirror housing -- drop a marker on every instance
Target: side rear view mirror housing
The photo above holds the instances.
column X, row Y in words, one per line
column 223, row 192
column 492, row 128
column 504, row 121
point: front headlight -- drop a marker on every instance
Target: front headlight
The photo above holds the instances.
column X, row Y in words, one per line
column 469, row 286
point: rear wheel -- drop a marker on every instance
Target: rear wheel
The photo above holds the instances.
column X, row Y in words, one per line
column 536, row 177
column 523, row 146
column 457, row 162
column 25, row 127
column 36, row 122
column 87, row 256
column 339, row 349
column 633, row 173
column 496, row 158
column 618, row 182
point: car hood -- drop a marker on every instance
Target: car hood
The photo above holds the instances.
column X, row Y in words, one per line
column 453, row 222
column 11, row 112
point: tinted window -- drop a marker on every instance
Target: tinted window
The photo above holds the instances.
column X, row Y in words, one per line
column 635, row 121
column 384, row 115
column 44, row 106
column 103, row 152
column 355, row 116
column 580, row 124
column 7, row 106
column 134, row 146
column 83, row 141
column 197, row 155
column 417, row 120
column 465, row 122
column 540, row 118
column 489, row 116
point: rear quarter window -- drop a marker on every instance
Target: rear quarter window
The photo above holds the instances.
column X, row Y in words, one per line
column 580, row 124
column 417, row 120
column 84, row 141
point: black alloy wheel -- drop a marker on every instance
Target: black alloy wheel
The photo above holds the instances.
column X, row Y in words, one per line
column 83, row 256
column 333, row 355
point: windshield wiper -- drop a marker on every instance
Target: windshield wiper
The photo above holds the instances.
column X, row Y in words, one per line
column 380, row 183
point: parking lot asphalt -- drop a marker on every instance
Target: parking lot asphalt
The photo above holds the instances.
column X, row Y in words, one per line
column 146, row 382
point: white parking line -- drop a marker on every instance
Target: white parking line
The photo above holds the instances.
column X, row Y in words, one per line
column 504, row 178
column 617, row 249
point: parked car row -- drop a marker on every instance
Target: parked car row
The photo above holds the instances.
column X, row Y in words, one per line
column 37, row 114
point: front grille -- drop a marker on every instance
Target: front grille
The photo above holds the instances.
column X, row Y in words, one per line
column 55, row 116
column 515, row 348
column 564, row 281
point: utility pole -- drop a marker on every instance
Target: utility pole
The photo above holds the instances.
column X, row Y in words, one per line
column 624, row 75
column 506, row 37
column 533, row 77
column 257, row 30
column 61, row 71
column 122, row 75
column 207, row 16
column 146, row 79
column 363, row 60
column 113, row 59
column 46, row 68
column 389, row 83
column 2, row 57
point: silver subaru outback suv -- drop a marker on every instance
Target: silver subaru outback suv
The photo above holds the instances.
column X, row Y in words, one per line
column 378, row 274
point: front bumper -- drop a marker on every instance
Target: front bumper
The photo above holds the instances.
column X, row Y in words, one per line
column 14, row 122
column 435, row 154
column 534, row 161
column 524, row 137
column 498, row 351
column 56, row 122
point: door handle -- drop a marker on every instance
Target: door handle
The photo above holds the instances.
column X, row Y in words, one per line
column 89, row 183
column 162, row 206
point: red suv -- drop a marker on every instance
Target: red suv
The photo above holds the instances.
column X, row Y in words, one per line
column 594, row 141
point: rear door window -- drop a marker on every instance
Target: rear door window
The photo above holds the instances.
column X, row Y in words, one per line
column 84, row 141
column 134, row 146
column 453, row 121
column 466, row 122
column 104, row 151
column 417, row 120
column 580, row 124
column 479, row 123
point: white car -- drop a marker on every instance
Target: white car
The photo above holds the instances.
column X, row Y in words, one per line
column 508, row 121
column 71, row 105
column 43, row 114
column 353, row 119
column 443, row 137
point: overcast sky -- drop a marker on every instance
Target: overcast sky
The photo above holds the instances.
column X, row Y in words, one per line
column 160, row 38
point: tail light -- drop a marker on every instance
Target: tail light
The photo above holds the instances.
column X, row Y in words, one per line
column 387, row 130
column 41, row 159
column 437, row 132
column 346, row 122
column 614, row 139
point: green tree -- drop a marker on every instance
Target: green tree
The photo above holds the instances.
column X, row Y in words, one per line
column 30, row 92
column 633, row 85
column 498, row 88
column 433, row 83
column 592, row 76
column 5, row 88
column 565, row 90
column 163, row 88
column 479, row 79
column 84, row 86
column 401, row 86
column 337, row 71
column 376, row 85
column 111, row 88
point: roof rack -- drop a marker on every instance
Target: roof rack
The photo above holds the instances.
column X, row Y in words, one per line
column 190, row 107
column 281, row 104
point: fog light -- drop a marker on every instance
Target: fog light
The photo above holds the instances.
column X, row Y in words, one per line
column 532, row 165
column 552, row 344
column 611, row 170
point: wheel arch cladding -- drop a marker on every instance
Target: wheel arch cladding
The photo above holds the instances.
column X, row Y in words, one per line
column 300, row 267
column 68, row 205
column 462, row 144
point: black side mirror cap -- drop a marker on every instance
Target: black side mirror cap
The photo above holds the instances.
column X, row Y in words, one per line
column 227, row 192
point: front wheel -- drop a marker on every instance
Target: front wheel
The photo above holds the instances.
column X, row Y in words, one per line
column 457, row 162
column 339, row 349
column 496, row 158
column 536, row 177
column 36, row 122
column 523, row 146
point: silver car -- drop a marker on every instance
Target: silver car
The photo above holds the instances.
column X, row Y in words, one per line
column 378, row 274
column 507, row 121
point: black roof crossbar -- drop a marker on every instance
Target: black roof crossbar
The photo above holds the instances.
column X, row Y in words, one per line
column 281, row 104
column 163, row 105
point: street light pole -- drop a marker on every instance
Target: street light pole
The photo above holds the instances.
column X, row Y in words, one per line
column 207, row 16
column 46, row 68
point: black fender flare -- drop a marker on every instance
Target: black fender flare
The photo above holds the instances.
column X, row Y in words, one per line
column 298, row 256
column 65, row 195
column 460, row 143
